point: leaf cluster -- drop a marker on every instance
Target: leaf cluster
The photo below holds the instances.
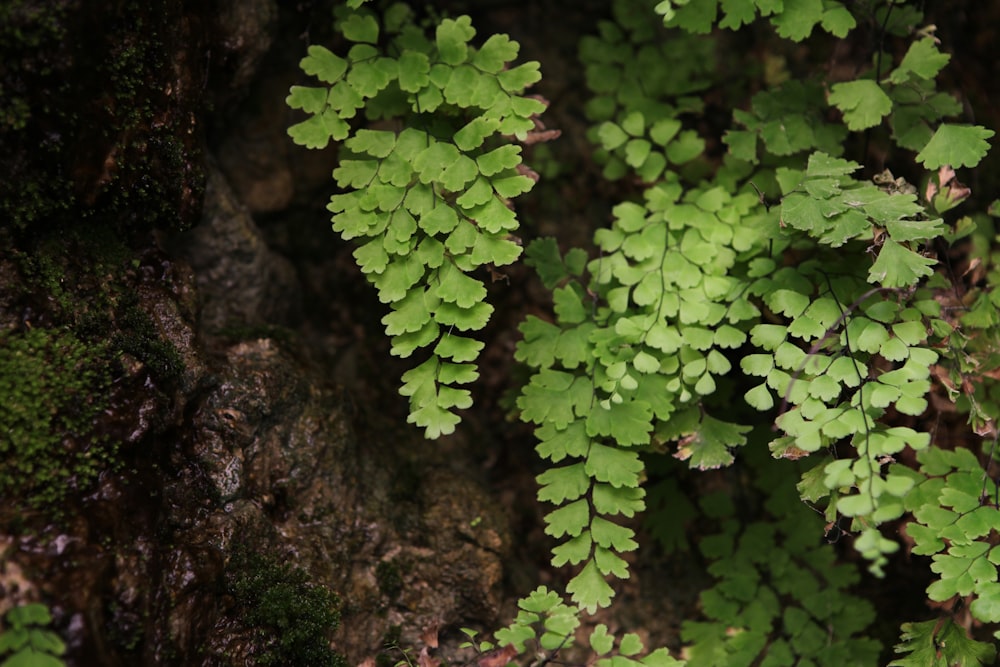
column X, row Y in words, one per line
column 779, row 596
column 767, row 286
column 27, row 641
column 52, row 388
column 430, row 203
column 545, row 620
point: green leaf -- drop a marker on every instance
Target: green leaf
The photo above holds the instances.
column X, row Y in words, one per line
column 410, row 314
column 686, row 147
column 452, row 37
column 568, row 520
column 369, row 78
column 628, row 423
column 494, row 249
column 465, row 319
column 494, row 216
column 543, row 255
column 611, row 500
column 360, row 28
column 459, row 173
column 324, row 64
column 742, row 144
column 600, row 640
column 617, row 467
column 475, row 195
column 545, row 399
column 495, row 53
column 310, row 100
column 737, row 12
column 956, row 146
column 760, row 398
column 589, row 590
column 28, row 658
column 414, row 70
column 630, row 644
column 512, row 186
column 986, row 606
column 695, row 17
column 29, row 614
column 474, row 133
column 611, row 135
column 317, row 131
column 397, row 279
column 441, row 220
column 573, row 551
column 561, row 484
column 709, row 446
column 798, row 18
column 14, row 639
column 499, row 159
column 405, row 344
column 789, row 303
column 660, row 658
column 458, row 349
column 922, row 59
column 664, row 130
column 432, row 160
column 857, row 505
column 516, row 79
column 940, row 642
column 838, row 21
column 345, row 99
column 612, row 536
column 897, row 266
column 863, row 103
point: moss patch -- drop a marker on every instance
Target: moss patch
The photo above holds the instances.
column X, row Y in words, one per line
column 389, row 578
column 290, row 617
column 52, row 388
column 81, row 278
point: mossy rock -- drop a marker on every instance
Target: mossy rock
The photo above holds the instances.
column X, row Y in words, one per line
column 52, row 388
column 290, row 617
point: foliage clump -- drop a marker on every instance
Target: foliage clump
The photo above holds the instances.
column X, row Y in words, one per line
column 52, row 388
column 429, row 204
column 290, row 619
column 792, row 283
column 26, row 641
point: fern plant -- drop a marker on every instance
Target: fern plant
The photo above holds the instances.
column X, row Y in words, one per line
column 758, row 280
column 26, row 640
column 427, row 198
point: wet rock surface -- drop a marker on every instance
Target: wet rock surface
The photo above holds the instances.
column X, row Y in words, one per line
column 234, row 431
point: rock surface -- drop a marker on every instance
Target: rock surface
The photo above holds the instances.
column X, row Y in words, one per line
column 233, row 437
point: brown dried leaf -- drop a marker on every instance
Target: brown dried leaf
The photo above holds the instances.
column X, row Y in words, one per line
column 539, row 136
column 429, row 636
column 497, row 657
column 525, row 170
column 425, row 659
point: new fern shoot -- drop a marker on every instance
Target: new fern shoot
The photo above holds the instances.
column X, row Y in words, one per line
column 784, row 289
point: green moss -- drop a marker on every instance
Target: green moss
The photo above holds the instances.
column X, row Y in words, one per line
column 138, row 337
column 389, row 578
column 290, row 617
column 52, row 388
column 95, row 303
